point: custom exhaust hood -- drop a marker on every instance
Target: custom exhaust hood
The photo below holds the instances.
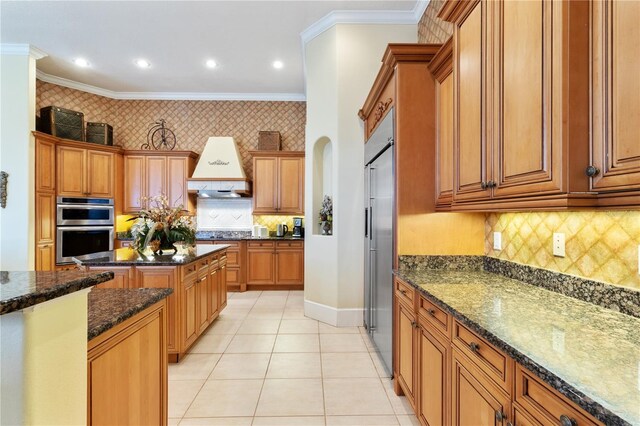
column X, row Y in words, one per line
column 219, row 172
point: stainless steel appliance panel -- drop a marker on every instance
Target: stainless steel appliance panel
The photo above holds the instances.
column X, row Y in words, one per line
column 78, row 240
column 379, row 234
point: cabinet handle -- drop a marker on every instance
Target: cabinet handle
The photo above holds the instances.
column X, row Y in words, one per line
column 202, row 279
column 592, row 171
column 474, row 347
column 413, row 324
column 491, row 184
column 567, row 421
column 404, row 292
column 509, row 424
column 483, row 185
column 432, row 312
column 500, row 416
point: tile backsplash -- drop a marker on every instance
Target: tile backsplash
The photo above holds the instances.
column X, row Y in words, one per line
column 600, row 245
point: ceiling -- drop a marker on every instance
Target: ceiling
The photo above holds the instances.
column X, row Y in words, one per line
column 177, row 37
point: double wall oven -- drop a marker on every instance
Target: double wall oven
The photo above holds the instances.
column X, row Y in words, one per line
column 85, row 225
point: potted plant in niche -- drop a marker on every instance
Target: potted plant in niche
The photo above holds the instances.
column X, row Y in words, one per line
column 326, row 216
column 159, row 226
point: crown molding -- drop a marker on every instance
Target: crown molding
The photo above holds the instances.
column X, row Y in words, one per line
column 173, row 96
column 21, row 49
column 389, row 17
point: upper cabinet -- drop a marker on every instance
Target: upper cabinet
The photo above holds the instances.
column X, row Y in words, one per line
column 616, row 96
column 278, row 182
column 85, row 172
column 153, row 173
column 521, row 104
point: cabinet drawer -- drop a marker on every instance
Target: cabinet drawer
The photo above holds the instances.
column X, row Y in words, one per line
column 404, row 292
column 188, row 271
column 261, row 244
column 433, row 314
column 487, row 357
column 203, row 265
column 545, row 403
column 290, row 244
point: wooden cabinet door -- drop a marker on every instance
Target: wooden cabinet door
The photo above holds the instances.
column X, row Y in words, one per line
column 290, row 267
column 526, row 157
column 45, row 166
column 616, row 95
column 156, row 176
column 213, row 306
column 45, row 218
column 100, row 174
column 260, row 266
column 475, row 399
column 203, row 297
column 405, row 350
column 290, row 186
column 265, row 185
column 433, row 378
column 444, row 141
column 177, row 168
column 189, row 315
column 134, row 178
column 222, row 287
column 71, row 171
column 522, row 418
column 471, row 153
column 45, row 257
column 121, row 277
column 164, row 277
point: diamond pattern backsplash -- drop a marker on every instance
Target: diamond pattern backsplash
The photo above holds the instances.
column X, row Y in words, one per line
column 192, row 121
column 432, row 29
column 602, row 246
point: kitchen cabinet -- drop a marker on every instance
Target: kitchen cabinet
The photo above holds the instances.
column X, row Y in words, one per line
column 85, row 172
column 235, row 265
column 45, row 204
column 278, row 182
column 452, row 375
column 45, row 165
column 149, row 174
column 121, row 278
column 615, row 139
column 521, row 104
column 441, row 66
column 127, row 369
column 275, row 264
column 214, row 305
column 222, row 285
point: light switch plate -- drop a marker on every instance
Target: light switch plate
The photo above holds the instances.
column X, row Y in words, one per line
column 497, row 240
column 558, row 244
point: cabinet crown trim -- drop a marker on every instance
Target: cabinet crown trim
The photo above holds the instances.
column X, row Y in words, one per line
column 77, row 144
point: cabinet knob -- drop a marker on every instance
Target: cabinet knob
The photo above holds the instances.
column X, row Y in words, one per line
column 483, row 185
column 567, row 421
column 474, row 347
column 404, row 292
column 592, row 171
column 432, row 312
column 500, row 416
column 491, row 184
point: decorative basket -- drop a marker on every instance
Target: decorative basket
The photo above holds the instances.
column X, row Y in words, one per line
column 269, row 141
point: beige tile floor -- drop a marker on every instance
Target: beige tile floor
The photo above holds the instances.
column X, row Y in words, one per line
column 264, row 363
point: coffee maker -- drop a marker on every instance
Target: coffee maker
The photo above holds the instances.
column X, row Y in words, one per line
column 298, row 230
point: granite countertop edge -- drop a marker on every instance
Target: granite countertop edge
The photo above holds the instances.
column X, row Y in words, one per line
column 50, row 293
column 589, row 405
column 154, row 295
column 196, row 257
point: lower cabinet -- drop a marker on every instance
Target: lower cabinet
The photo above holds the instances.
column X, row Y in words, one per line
column 453, row 376
column 275, row 263
column 261, row 263
column 127, row 369
column 213, row 305
column 222, row 285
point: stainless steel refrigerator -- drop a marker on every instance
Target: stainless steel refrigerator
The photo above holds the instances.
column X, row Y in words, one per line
column 378, row 246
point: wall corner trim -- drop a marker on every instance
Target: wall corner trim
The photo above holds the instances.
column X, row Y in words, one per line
column 21, row 49
column 349, row 317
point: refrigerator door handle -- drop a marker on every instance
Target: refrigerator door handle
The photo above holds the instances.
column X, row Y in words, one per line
column 366, row 222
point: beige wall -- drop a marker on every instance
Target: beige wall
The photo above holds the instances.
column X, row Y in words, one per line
column 192, row 121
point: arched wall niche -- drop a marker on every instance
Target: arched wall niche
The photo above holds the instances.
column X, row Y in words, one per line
column 322, row 178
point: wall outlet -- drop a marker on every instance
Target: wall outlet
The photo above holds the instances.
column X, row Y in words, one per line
column 497, row 240
column 558, row 244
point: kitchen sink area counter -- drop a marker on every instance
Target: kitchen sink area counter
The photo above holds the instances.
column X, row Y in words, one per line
column 587, row 353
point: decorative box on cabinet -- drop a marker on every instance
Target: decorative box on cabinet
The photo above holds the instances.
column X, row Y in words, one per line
column 521, row 115
column 278, row 182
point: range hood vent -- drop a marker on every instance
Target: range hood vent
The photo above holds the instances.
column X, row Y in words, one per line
column 219, row 172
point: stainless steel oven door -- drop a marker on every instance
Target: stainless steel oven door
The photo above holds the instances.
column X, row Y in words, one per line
column 83, row 215
column 78, row 240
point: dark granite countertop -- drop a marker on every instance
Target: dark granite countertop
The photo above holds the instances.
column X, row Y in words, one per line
column 272, row 237
column 588, row 353
column 109, row 307
column 129, row 257
column 19, row 290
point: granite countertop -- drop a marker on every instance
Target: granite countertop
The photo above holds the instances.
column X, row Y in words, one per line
column 19, row 290
column 250, row 238
column 588, row 353
column 129, row 257
column 109, row 307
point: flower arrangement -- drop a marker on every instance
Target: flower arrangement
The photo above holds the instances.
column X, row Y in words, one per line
column 159, row 225
column 326, row 215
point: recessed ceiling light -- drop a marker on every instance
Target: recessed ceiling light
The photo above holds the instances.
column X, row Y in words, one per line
column 211, row 63
column 143, row 63
column 278, row 64
column 81, row 62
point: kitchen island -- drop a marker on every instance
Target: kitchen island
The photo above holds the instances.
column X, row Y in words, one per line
column 197, row 278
